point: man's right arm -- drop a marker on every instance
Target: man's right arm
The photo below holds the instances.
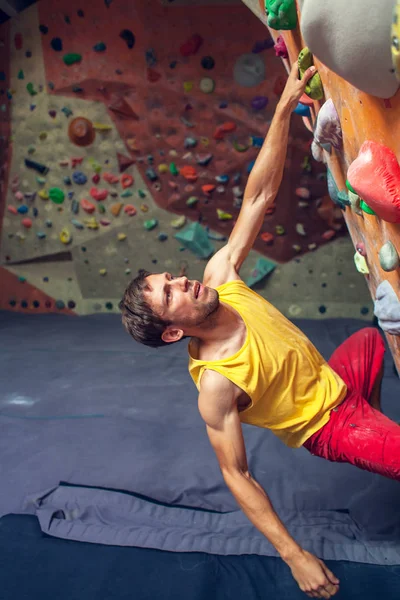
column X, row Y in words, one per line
column 218, row 408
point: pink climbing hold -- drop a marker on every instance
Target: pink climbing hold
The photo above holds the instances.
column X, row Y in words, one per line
column 98, row 195
column 110, row 178
column 280, row 48
column 375, row 177
column 87, row 206
column 27, row 223
column 12, row 209
column 19, row 196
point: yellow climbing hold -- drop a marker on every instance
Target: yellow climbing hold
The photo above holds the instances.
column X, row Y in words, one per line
column 187, row 86
column 361, row 264
column 144, row 207
column 179, row 222
column 65, row 236
column 101, row 126
column 121, row 236
column 91, row 223
column 103, row 272
column 223, row 216
column 95, row 165
column 163, row 168
column 44, row 194
column 205, row 141
column 42, row 135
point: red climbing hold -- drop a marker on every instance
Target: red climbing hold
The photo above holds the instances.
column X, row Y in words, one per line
column 110, row 178
column 126, row 180
column 76, row 161
column 87, row 206
column 130, row 210
column 124, row 162
column 189, row 173
column 96, row 178
column 208, row 188
column 267, row 238
column 223, row 129
column 18, row 41
column 191, row 46
column 12, row 209
column 375, row 176
column 152, row 75
column 271, row 209
column 98, row 195
column 27, row 223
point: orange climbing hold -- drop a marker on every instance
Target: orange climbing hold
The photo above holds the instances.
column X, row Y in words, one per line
column 223, row 129
column 266, row 237
column 208, row 188
column 189, row 173
column 126, row 180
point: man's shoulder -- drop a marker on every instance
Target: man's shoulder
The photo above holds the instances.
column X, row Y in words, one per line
column 219, row 269
column 217, row 394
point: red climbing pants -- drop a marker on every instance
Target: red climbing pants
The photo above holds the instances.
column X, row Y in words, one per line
column 357, row 433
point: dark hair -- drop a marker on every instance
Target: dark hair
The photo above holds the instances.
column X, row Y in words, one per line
column 138, row 318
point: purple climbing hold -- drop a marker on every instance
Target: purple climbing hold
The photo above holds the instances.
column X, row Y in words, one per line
column 128, row 37
column 259, row 102
column 262, row 45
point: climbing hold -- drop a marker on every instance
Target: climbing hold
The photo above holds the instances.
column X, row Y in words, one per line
column 223, row 216
column 19, row 196
column 267, row 238
column 75, row 206
column 262, row 268
column 204, row 141
column 43, row 29
column 122, row 109
column 280, row 230
column 87, row 206
column 220, row 189
column 388, row 257
column 121, row 237
column 44, row 194
column 98, row 195
column 191, row 46
column 360, row 247
column 173, row 169
column 224, row 129
column 102, row 209
column 96, row 178
column 12, row 209
column 303, row 110
column 144, row 207
column 367, row 209
column 249, row 70
column 124, row 162
column 126, row 180
column 95, row 165
column 21, row 74
column 271, row 209
column 192, row 201
column 79, row 177
column 303, row 192
column 208, row 188
column 105, row 222
column 67, row 180
column 222, row 178
column 259, row 102
column 387, row 308
column 101, row 126
column 130, row 210
column 91, row 223
column 179, row 222
column 31, row 164
column 237, row 191
column 76, row 161
column 141, row 194
column 162, row 237
column 81, row 131
column 195, row 238
column 72, row 58
column 339, row 198
column 27, row 223
column 207, row 85
column 189, row 173
column 361, row 264
column 103, row 272
column 151, row 174
column 150, row 224
column 187, row 86
column 100, row 47
column 31, row 89
column 110, row 178
column 208, row 63
column 42, row 135
column 77, row 224
column 23, row 209
column 281, row 14
column 41, row 235
column 190, row 142
column 150, row 57
column 240, row 147
column 328, row 234
column 163, row 168
column 116, row 208
column 65, row 236
column 280, row 48
column 375, row 177
column 314, row 86
column 126, row 193
column 328, row 129
column 56, row 44
column 128, row 37
column 153, row 75
column 56, row 195
column 312, row 246
column 203, row 159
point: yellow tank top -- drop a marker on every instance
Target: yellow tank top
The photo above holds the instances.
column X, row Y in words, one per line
column 291, row 387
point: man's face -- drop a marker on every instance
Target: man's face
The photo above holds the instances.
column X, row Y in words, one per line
column 185, row 302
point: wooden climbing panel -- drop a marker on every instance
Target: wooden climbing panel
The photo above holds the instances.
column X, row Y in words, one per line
column 362, row 117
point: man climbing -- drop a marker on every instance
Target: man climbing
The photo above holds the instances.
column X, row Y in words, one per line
column 252, row 365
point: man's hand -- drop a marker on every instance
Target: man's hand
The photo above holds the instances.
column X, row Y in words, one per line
column 313, row 576
column 295, row 87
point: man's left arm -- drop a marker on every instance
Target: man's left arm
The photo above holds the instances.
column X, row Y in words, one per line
column 264, row 180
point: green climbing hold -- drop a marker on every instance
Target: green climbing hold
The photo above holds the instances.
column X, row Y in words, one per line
column 142, row 194
column 150, row 224
column 281, row 14
column 41, row 180
column 314, row 87
column 350, row 187
column 126, row 193
column 31, row 90
column 262, row 268
column 173, row 169
column 72, row 58
column 195, row 238
column 364, row 206
column 192, row 201
column 102, row 209
column 56, row 195
column 21, row 74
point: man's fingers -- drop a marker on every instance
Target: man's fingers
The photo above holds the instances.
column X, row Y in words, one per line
column 294, row 71
column 308, row 74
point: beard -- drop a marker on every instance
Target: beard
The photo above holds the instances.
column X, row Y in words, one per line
column 204, row 311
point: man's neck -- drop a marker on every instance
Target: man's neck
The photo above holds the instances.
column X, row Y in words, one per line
column 218, row 327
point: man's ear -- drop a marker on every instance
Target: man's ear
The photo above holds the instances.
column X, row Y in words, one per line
column 172, row 334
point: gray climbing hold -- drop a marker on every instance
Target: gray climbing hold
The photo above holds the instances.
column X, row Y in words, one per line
column 77, row 224
column 387, row 308
column 151, row 174
column 190, row 142
column 75, row 206
column 41, row 235
column 204, row 159
column 388, row 257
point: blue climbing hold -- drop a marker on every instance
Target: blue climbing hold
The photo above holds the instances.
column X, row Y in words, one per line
column 23, row 209
column 79, row 177
column 70, row 195
column 303, row 110
column 250, row 166
column 222, row 178
column 100, row 47
column 256, row 141
column 56, row 44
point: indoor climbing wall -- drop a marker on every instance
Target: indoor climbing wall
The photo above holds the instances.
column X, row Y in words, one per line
column 355, row 120
column 128, row 133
